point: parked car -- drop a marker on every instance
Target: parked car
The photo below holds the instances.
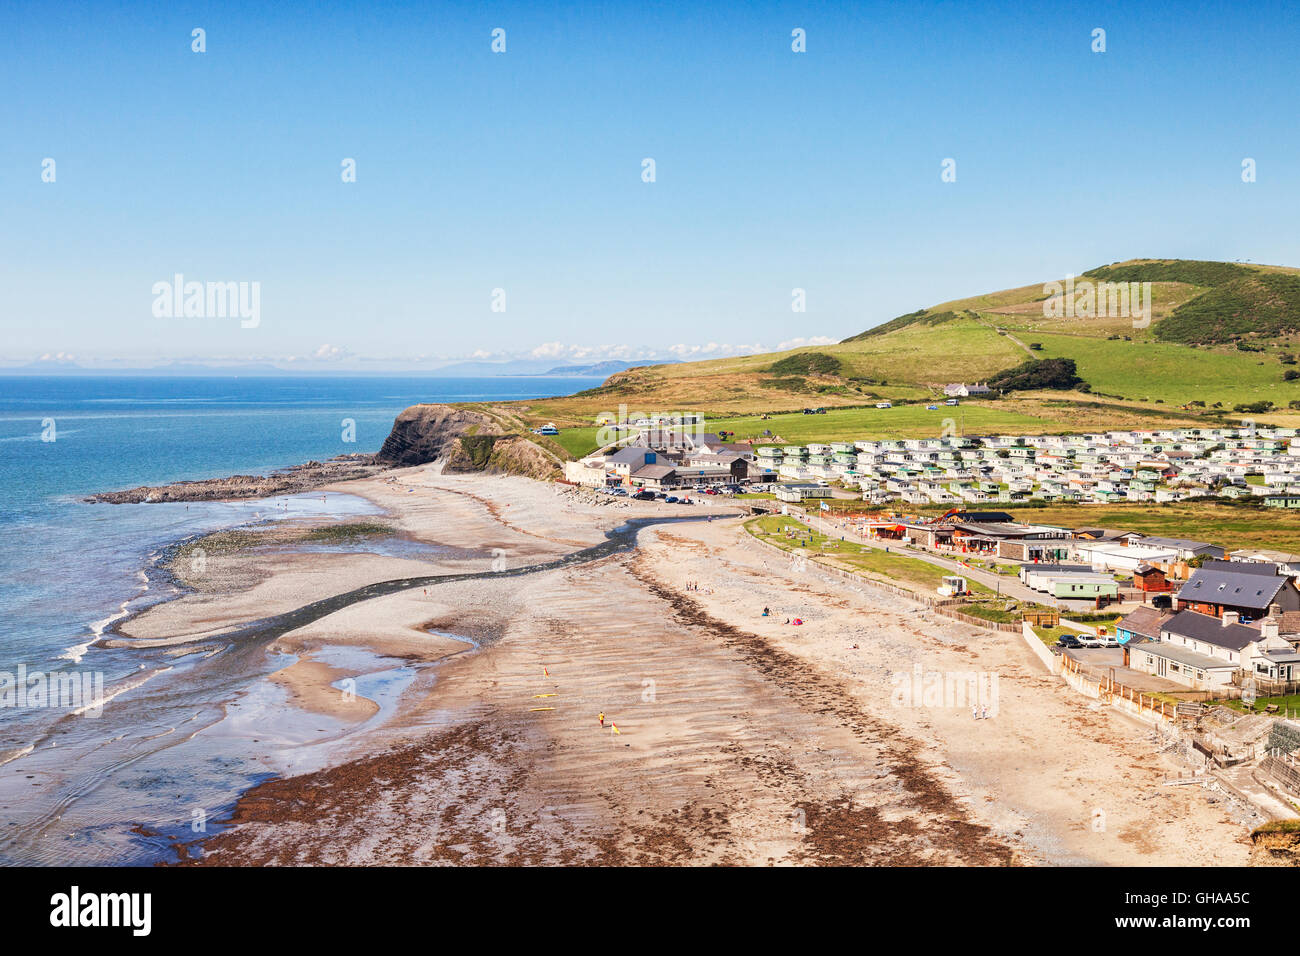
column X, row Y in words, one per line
column 1163, row 601
column 1108, row 640
column 1088, row 640
column 644, row 496
column 1068, row 640
column 671, row 499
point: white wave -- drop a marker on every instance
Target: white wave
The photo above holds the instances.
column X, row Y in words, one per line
column 129, row 683
column 8, row 755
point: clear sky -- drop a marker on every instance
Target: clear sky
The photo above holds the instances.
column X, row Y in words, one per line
column 522, row 170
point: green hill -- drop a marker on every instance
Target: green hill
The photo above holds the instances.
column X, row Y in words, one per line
column 1221, row 336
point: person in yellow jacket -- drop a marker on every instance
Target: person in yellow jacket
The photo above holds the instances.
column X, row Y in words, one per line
column 601, row 718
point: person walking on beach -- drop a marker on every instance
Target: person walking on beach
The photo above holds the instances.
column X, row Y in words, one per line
column 601, row 718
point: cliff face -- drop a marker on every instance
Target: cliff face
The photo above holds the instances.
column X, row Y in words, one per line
column 465, row 441
column 425, row 433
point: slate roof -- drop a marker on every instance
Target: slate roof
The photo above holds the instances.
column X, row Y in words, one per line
column 1203, row 627
column 1144, row 621
column 1237, row 583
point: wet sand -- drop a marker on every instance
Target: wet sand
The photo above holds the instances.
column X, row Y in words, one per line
column 740, row 740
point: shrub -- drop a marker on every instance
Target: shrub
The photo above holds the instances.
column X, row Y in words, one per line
column 1048, row 373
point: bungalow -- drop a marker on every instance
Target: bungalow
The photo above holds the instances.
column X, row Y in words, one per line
column 1187, row 549
column 1116, row 557
column 1197, row 650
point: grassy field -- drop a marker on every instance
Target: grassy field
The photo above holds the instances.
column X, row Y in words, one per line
column 1175, row 374
column 1230, row 526
column 903, row 421
column 911, row 573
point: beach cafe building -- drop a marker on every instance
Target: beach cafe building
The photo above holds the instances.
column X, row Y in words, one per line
column 1006, row 539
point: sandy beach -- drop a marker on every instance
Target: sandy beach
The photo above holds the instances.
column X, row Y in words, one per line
column 729, row 737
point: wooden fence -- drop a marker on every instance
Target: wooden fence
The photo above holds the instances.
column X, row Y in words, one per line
column 1110, row 691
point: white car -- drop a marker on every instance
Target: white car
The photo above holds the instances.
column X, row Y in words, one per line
column 1089, row 640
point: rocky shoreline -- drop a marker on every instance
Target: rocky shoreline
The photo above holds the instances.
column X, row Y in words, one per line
column 462, row 440
column 288, row 481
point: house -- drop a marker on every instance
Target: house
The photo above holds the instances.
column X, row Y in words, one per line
column 1244, row 587
column 1140, row 626
column 736, row 466
column 1197, row 650
column 1275, row 658
column 1176, row 663
column 960, row 390
column 589, row 472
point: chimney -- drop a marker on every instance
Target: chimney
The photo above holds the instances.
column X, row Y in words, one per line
column 1268, row 628
column 1230, row 618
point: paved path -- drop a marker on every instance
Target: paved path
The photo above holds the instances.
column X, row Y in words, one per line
column 1007, row 585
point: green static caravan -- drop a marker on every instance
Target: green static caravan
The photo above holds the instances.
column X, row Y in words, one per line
column 1079, row 588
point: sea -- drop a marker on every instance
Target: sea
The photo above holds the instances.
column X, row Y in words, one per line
column 70, row 569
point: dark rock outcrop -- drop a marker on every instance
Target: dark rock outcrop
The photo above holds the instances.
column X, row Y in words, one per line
column 290, row 481
column 426, row 433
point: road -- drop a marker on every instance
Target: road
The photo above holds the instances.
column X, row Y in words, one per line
column 997, row 582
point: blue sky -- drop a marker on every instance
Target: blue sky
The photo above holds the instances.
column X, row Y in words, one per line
column 522, row 170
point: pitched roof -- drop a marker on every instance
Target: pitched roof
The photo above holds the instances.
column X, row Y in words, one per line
column 1183, row 544
column 631, row 455
column 653, row 471
column 1145, row 621
column 1211, row 630
column 1236, row 583
column 1242, row 567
